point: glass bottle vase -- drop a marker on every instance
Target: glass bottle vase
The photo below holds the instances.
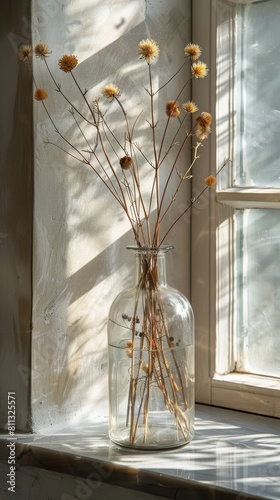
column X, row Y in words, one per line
column 151, row 359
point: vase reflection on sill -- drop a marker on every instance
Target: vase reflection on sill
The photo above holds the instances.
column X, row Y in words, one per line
column 151, row 359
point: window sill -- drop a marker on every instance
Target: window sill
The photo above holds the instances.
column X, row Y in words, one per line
column 245, row 392
column 234, row 455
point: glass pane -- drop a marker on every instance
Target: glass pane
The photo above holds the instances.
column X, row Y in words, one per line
column 257, row 99
column 257, row 291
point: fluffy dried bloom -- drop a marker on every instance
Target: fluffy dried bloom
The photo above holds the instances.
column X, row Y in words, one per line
column 126, row 162
column 67, row 63
column 40, row 94
column 199, row 70
column 25, row 52
column 41, row 50
column 203, row 125
column 204, row 119
column 172, row 109
column 110, row 91
column 190, row 107
column 148, row 50
column 193, row 51
column 202, row 133
column 210, row 180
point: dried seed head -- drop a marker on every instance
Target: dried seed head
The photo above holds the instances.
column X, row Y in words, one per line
column 126, row 162
column 110, row 91
column 41, row 50
column 148, row 50
column 172, row 109
column 203, row 129
column 40, row 94
column 210, row 180
column 199, row 70
column 67, row 63
column 25, row 52
column 193, row 51
column 190, row 107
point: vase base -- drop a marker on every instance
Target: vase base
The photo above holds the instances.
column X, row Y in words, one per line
column 163, row 438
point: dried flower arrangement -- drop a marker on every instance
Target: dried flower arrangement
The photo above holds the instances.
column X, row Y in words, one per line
column 107, row 150
column 144, row 331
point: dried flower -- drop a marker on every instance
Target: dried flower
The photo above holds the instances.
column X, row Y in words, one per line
column 199, row 69
column 120, row 141
column 110, row 91
column 203, row 125
column 126, row 162
column 25, row 52
column 172, row 109
column 193, row 51
column 190, row 107
column 148, row 49
column 204, row 119
column 41, row 50
column 40, row 94
column 67, row 63
column 202, row 133
column 210, row 180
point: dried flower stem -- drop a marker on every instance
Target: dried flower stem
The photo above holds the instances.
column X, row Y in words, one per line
column 153, row 126
column 192, row 202
column 102, row 144
column 107, row 147
column 157, row 371
column 85, row 99
column 170, row 79
column 159, row 217
column 134, row 175
column 58, row 89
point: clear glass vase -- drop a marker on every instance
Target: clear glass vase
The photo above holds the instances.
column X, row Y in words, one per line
column 151, row 359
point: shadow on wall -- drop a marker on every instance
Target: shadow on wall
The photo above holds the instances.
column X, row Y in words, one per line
column 16, row 215
column 73, row 350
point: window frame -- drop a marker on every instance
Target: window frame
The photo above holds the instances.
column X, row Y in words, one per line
column 213, row 229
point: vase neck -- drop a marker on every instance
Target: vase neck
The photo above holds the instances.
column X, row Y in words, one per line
column 150, row 268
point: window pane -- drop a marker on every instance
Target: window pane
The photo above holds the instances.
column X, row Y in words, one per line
column 257, row 291
column 257, row 99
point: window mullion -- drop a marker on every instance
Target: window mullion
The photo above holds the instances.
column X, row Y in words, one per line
column 243, row 198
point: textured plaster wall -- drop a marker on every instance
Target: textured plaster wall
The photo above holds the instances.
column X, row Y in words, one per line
column 80, row 234
column 16, row 213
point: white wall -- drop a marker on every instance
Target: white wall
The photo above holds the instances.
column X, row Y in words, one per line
column 80, row 234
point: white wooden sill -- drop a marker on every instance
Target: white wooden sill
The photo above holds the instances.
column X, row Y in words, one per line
column 251, row 393
column 234, row 455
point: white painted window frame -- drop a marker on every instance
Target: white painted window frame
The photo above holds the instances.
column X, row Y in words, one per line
column 213, row 231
